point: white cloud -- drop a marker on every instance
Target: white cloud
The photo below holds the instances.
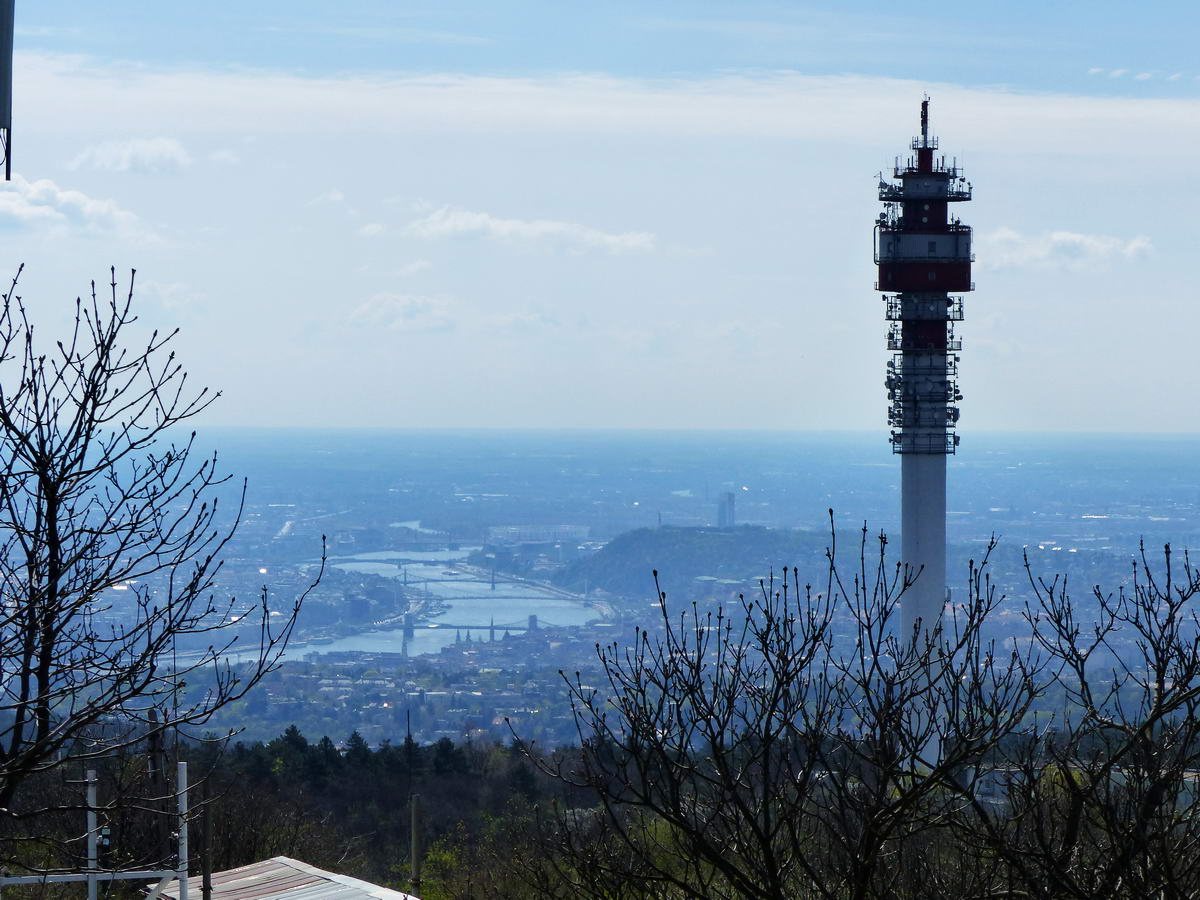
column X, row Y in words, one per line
column 448, row 222
column 333, row 196
column 412, row 268
column 1007, row 248
column 1143, row 76
column 636, row 153
column 170, row 295
column 1095, row 70
column 159, row 154
column 1175, row 77
column 62, row 90
column 42, row 204
column 371, row 229
column 404, row 312
column 522, row 322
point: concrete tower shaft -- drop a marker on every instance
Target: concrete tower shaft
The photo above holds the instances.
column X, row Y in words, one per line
column 924, row 256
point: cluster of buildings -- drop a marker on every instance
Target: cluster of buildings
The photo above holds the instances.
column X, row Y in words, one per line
column 475, row 689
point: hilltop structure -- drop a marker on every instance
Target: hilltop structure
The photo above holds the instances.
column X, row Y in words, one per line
column 924, row 256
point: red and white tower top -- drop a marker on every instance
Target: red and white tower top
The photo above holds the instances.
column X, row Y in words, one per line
column 924, row 255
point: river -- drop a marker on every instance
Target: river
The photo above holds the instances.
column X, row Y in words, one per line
column 470, row 601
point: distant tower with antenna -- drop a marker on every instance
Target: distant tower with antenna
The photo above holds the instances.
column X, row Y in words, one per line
column 924, row 257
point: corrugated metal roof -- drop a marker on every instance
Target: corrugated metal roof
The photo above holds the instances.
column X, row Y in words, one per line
column 282, row 878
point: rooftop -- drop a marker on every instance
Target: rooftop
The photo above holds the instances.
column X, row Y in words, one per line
column 282, row 878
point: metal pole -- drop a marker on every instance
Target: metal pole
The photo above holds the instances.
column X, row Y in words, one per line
column 205, row 844
column 415, row 848
column 181, row 787
column 93, row 855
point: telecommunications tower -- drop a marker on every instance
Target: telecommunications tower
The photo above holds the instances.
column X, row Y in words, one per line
column 924, row 255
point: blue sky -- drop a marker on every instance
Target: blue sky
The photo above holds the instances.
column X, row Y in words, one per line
column 1031, row 45
column 612, row 215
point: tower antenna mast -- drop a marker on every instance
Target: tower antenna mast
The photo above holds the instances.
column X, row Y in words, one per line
column 924, row 256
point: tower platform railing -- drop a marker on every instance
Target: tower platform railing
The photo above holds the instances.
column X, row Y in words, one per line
column 924, row 442
column 901, row 416
column 949, row 309
column 892, row 193
column 902, row 393
column 907, row 366
column 889, row 224
column 896, row 341
column 897, row 297
column 938, row 167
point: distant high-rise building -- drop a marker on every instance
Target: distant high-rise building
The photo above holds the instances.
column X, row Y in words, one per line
column 924, row 255
column 725, row 513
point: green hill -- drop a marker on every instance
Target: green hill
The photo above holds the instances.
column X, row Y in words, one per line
column 698, row 563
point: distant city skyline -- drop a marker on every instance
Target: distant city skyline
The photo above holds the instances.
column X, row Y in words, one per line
column 643, row 215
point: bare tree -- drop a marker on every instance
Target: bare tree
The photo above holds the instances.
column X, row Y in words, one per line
column 794, row 746
column 918, row 719
column 1101, row 799
column 799, row 746
column 111, row 535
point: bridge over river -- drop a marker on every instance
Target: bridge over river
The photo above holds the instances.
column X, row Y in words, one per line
column 529, row 623
column 470, row 598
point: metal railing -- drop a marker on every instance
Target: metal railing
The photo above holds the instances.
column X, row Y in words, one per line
column 895, row 341
column 95, row 875
column 910, row 167
column 922, row 442
column 893, row 193
column 894, row 223
column 902, row 416
column 947, row 395
column 897, row 309
column 906, row 366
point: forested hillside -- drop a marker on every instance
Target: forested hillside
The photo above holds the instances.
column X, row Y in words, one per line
column 344, row 808
column 698, row 563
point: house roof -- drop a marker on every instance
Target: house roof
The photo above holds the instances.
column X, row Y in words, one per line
column 282, row 878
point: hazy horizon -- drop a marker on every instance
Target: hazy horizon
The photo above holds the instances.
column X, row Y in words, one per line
column 602, row 429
